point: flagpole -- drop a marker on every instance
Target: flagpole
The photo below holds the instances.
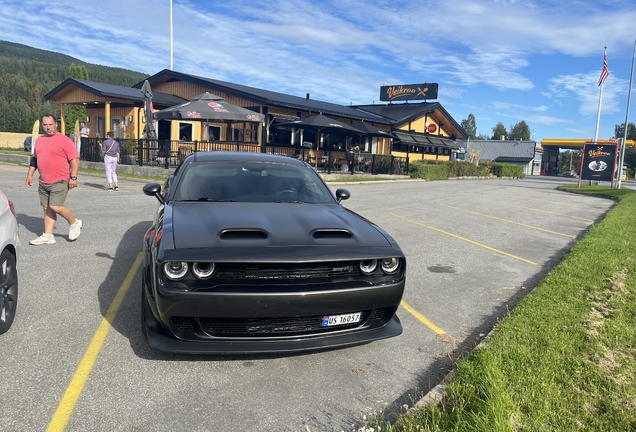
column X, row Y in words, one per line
column 170, row 34
column 629, row 95
column 600, row 98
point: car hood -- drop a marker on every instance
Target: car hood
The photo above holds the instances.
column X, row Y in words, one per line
column 204, row 225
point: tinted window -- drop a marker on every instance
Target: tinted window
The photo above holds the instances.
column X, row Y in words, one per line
column 251, row 182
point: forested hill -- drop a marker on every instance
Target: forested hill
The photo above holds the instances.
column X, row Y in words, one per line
column 27, row 74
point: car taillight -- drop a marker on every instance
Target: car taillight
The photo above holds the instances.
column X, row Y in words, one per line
column 11, row 207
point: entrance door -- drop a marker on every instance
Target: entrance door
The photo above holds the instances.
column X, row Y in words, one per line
column 116, row 127
column 100, row 127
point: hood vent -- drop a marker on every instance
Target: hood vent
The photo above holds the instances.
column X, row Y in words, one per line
column 243, row 234
column 332, row 234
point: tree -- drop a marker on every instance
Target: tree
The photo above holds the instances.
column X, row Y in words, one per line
column 470, row 126
column 619, row 131
column 75, row 113
column 520, row 131
column 571, row 159
column 482, row 137
column 499, row 132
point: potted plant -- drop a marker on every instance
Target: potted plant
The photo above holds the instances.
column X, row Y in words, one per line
column 128, row 152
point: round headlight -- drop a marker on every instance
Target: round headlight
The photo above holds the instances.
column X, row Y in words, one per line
column 368, row 266
column 175, row 270
column 203, row 270
column 390, row 265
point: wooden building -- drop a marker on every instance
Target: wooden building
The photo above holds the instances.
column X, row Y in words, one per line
column 420, row 130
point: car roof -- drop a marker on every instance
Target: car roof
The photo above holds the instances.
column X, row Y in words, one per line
column 227, row 156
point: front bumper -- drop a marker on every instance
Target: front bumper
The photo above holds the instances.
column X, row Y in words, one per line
column 162, row 340
column 260, row 322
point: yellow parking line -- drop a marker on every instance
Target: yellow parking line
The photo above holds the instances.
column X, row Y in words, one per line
column 422, row 318
column 538, row 210
column 465, row 239
column 65, row 409
column 509, row 221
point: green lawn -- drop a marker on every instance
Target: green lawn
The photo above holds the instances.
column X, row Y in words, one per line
column 565, row 358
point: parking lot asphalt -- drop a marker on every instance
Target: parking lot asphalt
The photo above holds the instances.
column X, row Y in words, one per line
column 75, row 358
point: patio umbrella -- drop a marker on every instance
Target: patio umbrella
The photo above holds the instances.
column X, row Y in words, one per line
column 149, row 128
column 320, row 123
column 370, row 130
column 35, row 133
column 209, row 107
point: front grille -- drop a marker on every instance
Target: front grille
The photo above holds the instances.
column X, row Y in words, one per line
column 265, row 327
column 186, row 327
column 286, row 271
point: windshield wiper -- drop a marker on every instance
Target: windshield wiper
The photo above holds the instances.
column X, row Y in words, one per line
column 291, row 201
column 207, row 199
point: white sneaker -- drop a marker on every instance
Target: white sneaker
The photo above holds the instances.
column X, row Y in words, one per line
column 75, row 230
column 43, row 239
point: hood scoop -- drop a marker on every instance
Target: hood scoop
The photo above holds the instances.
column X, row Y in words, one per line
column 332, row 234
column 243, row 234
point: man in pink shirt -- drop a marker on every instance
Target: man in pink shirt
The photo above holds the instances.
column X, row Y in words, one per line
column 56, row 159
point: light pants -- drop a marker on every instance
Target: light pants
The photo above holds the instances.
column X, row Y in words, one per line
column 110, row 162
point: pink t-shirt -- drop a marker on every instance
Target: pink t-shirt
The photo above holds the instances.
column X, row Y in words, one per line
column 54, row 154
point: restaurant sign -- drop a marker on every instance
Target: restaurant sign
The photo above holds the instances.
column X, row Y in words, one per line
column 408, row 92
column 599, row 161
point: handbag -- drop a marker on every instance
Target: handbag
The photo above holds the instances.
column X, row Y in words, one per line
column 104, row 152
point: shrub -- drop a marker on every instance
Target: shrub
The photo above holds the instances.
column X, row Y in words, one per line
column 428, row 170
column 506, row 170
column 441, row 170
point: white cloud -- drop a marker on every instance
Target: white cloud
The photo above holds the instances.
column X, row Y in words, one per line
column 584, row 88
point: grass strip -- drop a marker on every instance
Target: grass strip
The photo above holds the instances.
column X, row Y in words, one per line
column 565, row 358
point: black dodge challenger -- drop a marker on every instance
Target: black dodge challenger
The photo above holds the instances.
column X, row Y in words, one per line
column 253, row 253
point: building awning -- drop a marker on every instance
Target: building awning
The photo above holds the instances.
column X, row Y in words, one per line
column 406, row 138
column 423, row 140
column 283, row 118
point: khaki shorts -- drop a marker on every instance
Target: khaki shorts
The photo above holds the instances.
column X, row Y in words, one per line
column 53, row 194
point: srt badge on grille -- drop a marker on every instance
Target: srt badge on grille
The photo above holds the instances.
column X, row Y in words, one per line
column 342, row 269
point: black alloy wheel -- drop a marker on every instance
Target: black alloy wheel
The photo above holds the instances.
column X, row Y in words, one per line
column 8, row 290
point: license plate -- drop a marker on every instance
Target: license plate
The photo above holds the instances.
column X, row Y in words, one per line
column 335, row 320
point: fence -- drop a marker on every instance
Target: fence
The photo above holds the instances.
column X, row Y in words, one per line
column 169, row 154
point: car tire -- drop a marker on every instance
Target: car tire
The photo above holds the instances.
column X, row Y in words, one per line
column 8, row 290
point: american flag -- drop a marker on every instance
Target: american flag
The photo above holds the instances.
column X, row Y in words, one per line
column 605, row 71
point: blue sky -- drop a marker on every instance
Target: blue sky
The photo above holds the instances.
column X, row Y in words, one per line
column 502, row 60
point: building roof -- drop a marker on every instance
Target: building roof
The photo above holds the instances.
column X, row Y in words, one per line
column 115, row 91
column 501, row 151
column 405, row 112
column 270, row 98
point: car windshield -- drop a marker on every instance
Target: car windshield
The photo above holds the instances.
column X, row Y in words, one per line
column 251, row 182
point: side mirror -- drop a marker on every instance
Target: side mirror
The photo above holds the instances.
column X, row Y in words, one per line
column 154, row 189
column 342, row 194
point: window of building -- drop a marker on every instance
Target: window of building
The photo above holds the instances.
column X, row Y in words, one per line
column 214, row 133
column 185, row 131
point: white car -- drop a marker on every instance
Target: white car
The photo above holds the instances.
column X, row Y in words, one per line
column 8, row 260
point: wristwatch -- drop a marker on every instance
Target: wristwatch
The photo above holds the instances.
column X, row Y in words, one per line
column 73, row 177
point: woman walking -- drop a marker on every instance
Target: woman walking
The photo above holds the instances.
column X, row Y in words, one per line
column 111, row 151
